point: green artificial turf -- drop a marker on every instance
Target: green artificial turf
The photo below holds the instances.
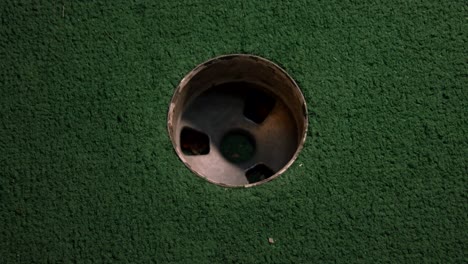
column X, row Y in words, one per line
column 88, row 173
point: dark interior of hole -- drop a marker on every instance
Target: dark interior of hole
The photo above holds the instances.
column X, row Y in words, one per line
column 258, row 105
column 258, row 173
column 237, row 146
column 194, row 142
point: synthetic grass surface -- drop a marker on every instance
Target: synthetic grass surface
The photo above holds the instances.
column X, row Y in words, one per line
column 88, row 173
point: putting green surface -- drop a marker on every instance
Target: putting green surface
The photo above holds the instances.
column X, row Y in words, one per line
column 88, row 173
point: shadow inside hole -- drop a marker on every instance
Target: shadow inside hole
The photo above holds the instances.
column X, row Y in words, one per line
column 194, row 142
column 258, row 105
column 258, row 173
column 237, row 146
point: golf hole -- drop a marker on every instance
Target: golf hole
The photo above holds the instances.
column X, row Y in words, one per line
column 237, row 120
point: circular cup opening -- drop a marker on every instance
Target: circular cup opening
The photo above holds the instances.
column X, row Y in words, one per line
column 237, row 120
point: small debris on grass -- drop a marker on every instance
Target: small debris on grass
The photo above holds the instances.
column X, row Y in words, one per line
column 271, row 240
column 300, row 164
